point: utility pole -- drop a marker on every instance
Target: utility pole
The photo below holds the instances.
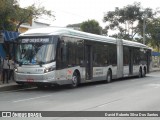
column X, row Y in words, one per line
column 144, row 30
column 144, row 26
column 117, row 9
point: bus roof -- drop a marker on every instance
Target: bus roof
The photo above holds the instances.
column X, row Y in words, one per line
column 74, row 33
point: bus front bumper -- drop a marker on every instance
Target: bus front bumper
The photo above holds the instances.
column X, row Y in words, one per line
column 47, row 78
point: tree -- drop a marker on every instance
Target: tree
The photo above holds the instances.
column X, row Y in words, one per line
column 31, row 12
column 105, row 31
column 153, row 33
column 74, row 26
column 127, row 20
column 78, row 25
column 7, row 10
column 91, row 26
column 12, row 16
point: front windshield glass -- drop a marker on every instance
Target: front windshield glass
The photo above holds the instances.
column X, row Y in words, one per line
column 35, row 53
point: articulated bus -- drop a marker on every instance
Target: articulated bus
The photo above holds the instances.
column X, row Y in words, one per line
column 58, row 56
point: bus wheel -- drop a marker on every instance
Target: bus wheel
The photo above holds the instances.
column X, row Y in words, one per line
column 144, row 72
column 20, row 83
column 140, row 73
column 109, row 76
column 75, row 80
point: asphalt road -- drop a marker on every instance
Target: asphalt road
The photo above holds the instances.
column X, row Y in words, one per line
column 134, row 94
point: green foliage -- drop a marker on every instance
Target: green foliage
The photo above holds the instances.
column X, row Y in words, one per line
column 11, row 12
column 153, row 33
column 78, row 25
column 31, row 12
column 127, row 20
column 91, row 26
column 105, row 31
column 7, row 10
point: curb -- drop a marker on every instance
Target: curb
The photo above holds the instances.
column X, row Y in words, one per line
column 155, row 70
column 13, row 86
column 9, row 87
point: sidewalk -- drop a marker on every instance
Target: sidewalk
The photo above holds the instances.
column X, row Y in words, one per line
column 155, row 69
column 12, row 85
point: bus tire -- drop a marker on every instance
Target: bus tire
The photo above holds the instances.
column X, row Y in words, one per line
column 109, row 76
column 20, row 83
column 144, row 72
column 140, row 73
column 75, row 80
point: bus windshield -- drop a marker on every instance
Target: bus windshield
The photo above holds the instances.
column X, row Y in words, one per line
column 35, row 53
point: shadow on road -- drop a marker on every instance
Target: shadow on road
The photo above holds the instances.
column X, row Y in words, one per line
column 57, row 88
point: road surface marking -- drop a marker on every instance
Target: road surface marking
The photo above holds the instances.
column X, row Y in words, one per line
column 31, row 98
column 101, row 105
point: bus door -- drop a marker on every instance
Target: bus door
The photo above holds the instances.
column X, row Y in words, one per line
column 130, row 61
column 148, row 60
column 89, row 62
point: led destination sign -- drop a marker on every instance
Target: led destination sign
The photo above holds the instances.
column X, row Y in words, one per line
column 35, row 40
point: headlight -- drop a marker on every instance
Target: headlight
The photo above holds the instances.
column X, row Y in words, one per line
column 49, row 69
column 16, row 70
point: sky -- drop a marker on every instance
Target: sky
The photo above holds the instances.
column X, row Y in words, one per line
column 76, row 11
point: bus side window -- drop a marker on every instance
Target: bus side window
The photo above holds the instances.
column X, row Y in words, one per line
column 63, row 54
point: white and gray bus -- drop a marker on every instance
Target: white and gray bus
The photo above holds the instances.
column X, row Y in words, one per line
column 48, row 56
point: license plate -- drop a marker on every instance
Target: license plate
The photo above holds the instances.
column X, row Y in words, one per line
column 30, row 80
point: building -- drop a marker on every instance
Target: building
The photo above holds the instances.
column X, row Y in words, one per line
column 34, row 24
